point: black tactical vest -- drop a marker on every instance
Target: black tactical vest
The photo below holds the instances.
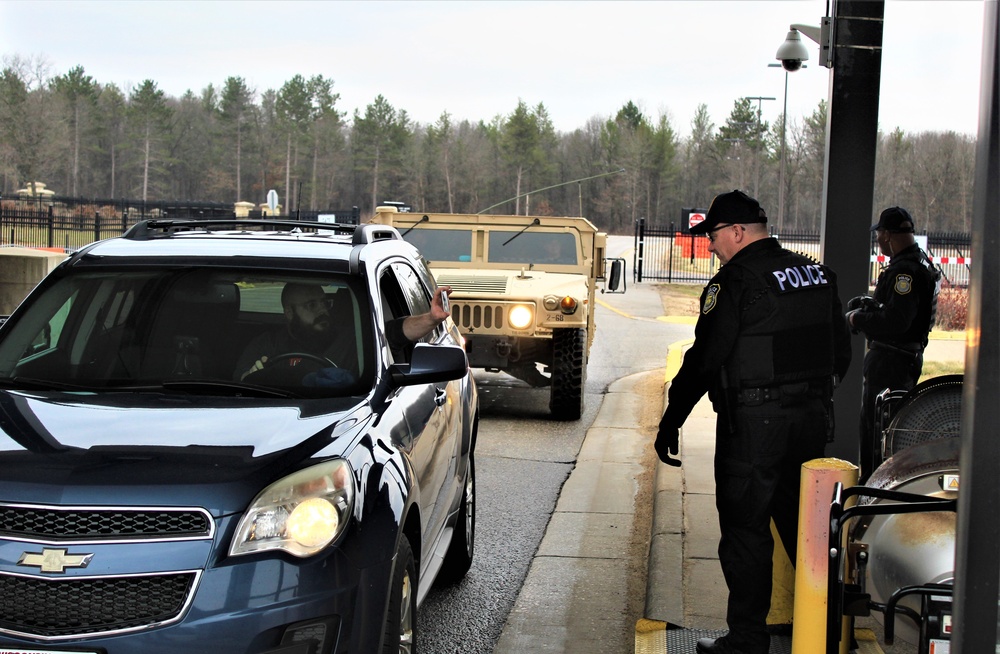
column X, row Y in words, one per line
column 786, row 332
column 925, row 277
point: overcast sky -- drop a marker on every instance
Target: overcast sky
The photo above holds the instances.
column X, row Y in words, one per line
column 475, row 60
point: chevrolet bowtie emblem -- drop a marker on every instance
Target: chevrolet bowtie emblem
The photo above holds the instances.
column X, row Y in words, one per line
column 55, row 560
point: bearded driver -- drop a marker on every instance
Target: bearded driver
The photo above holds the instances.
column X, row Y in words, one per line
column 310, row 329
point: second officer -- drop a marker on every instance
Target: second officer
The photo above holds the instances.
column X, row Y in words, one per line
column 895, row 323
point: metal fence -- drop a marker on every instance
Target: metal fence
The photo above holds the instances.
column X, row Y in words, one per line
column 669, row 255
column 66, row 223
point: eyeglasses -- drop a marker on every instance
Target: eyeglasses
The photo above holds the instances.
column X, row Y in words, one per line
column 711, row 232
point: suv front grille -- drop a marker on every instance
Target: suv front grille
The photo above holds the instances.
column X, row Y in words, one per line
column 66, row 607
column 99, row 524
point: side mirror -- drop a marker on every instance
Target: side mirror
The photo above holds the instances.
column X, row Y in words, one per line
column 614, row 278
column 429, row 364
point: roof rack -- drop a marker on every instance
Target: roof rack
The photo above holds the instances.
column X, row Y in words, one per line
column 160, row 228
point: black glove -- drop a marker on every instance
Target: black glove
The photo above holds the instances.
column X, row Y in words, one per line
column 667, row 443
column 862, row 302
column 855, row 302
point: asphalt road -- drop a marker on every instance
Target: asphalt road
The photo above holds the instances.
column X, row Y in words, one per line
column 523, row 458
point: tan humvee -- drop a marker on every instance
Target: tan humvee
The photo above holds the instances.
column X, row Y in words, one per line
column 522, row 291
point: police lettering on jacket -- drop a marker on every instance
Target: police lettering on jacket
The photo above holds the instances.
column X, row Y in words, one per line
column 796, row 277
column 791, row 337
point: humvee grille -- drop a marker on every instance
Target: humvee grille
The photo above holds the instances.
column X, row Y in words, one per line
column 478, row 316
column 463, row 284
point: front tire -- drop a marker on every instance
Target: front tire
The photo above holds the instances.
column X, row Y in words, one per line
column 569, row 372
column 399, row 634
column 458, row 559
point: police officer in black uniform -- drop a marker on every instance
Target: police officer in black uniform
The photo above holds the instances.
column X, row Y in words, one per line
column 895, row 322
column 770, row 342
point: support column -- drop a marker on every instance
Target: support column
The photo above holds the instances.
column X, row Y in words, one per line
column 977, row 556
column 849, row 186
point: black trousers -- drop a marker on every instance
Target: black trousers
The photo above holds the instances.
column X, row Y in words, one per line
column 882, row 369
column 757, row 470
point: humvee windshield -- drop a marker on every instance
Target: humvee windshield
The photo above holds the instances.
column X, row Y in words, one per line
column 533, row 247
column 439, row 245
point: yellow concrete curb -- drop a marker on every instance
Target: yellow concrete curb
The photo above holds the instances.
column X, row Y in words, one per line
column 675, row 356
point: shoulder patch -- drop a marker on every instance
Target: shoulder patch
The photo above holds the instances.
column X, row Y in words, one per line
column 711, row 298
column 904, row 284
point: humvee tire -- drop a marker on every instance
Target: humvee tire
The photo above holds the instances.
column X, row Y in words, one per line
column 569, row 373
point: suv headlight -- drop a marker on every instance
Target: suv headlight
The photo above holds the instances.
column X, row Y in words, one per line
column 300, row 514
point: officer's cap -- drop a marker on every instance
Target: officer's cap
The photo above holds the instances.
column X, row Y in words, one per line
column 895, row 219
column 735, row 207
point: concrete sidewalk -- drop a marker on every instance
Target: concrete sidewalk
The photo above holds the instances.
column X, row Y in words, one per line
column 619, row 506
column 586, row 585
column 685, row 586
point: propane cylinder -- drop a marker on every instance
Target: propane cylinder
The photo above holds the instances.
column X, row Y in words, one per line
column 909, row 549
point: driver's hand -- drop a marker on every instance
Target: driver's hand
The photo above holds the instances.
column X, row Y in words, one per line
column 257, row 366
column 438, row 311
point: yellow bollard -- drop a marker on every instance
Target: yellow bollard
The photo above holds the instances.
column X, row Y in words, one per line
column 818, row 479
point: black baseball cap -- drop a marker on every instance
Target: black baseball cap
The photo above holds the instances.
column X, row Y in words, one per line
column 735, row 207
column 895, row 219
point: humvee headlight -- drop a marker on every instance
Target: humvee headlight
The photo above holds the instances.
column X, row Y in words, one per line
column 568, row 305
column 520, row 317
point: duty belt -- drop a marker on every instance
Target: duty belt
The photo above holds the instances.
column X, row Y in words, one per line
column 788, row 392
column 755, row 396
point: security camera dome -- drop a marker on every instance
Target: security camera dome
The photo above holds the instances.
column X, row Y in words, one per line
column 792, row 52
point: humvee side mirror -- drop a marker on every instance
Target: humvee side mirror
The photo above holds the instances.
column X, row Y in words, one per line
column 614, row 278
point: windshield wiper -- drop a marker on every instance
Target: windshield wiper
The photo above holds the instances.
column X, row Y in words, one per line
column 534, row 222
column 32, row 384
column 214, row 386
column 422, row 220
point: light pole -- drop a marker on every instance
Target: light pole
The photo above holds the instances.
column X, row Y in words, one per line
column 756, row 148
column 781, row 156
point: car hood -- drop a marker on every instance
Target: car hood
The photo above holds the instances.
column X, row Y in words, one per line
column 121, row 449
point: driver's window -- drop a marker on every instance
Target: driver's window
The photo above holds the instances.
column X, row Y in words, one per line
column 394, row 307
column 414, row 292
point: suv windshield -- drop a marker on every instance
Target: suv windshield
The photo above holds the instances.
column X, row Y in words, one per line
column 211, row 330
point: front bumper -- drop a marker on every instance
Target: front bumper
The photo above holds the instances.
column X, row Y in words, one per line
column 254, row 604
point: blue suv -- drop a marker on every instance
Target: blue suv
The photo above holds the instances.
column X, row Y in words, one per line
column 232, row 437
